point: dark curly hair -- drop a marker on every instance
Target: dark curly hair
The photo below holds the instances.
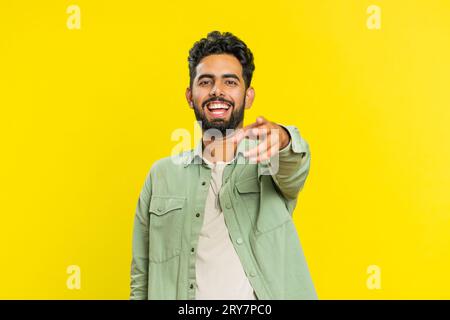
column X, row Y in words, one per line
column 218, row 43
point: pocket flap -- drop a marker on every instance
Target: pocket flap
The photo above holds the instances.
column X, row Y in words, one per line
column 160, row 205
column 249, row 185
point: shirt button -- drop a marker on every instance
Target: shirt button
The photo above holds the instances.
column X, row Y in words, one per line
column 228, row 205
column 252, row 273
column 203, row 183
column 239, row 241
column 197, row 215
column 159, row 209
column 192, row 249
column 191, row 286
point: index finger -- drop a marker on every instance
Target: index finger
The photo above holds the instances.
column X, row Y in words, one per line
column 244, row 132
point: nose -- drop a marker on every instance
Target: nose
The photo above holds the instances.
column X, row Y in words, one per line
column 216, row 90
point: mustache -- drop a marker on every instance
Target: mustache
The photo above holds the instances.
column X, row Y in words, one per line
column 217, row 99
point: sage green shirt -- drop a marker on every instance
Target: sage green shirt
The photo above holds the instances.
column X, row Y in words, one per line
column 257, row 202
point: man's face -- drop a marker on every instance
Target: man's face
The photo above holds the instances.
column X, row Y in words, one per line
column 218, row 94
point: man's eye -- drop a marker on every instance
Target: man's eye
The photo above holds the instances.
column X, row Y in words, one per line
column 203, row 83
column 231, row 82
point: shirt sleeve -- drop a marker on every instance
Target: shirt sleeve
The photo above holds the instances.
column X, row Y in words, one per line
column 140, row 245
column 290, row 168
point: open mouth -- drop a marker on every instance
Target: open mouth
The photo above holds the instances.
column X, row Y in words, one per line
column 218, row 109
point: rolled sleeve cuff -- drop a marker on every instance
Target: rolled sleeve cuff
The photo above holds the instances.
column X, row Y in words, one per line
column 296, row 144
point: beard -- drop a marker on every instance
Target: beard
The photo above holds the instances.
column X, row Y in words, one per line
column 236, row 118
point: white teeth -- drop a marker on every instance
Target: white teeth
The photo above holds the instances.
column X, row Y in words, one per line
column 218, row 106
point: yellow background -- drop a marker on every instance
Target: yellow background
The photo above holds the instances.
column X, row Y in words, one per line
column 84, row 114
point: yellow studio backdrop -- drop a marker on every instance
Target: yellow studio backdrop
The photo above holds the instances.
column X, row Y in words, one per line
column 92, row 90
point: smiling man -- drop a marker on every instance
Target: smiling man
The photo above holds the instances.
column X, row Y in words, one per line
column 216, row 222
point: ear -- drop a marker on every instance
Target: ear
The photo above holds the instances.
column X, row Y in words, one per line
column 249, row 97
column 189, row 97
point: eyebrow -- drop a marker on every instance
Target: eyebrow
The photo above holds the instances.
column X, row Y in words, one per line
column 227, row 75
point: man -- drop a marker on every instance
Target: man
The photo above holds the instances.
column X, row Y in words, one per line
column 216, row 222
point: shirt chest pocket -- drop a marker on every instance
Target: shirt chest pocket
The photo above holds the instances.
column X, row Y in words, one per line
column 248, row 191
column 250, row 185
column 166, row 224
column 266, row 213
